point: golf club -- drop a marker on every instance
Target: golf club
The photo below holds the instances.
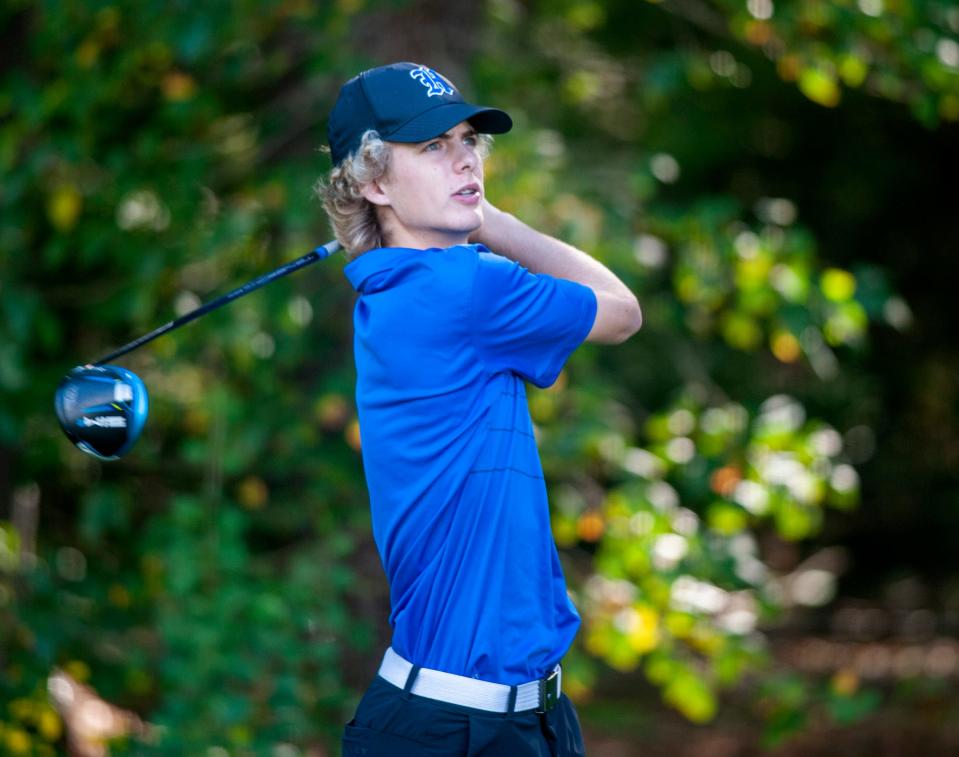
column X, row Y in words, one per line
column 102, row 408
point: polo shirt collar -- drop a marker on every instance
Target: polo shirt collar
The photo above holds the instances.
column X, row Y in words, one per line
column 370, row 263
column 361, row 271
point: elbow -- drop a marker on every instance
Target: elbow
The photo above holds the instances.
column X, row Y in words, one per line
column 632, row 319
column 636, row 316
column 618, row 317
column 628, row 322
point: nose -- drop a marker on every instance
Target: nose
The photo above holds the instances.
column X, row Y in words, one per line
column 465, row 158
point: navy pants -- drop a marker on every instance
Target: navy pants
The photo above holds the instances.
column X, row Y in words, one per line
column 390, row 722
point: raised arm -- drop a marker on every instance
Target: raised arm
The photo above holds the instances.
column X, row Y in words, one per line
column 618, row 316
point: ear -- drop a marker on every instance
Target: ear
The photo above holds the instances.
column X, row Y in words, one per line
column 375, row 193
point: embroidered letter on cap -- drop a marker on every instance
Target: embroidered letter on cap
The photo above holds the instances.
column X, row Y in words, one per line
column 434, row 83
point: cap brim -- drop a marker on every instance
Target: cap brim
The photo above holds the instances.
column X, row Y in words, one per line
column 444, row 117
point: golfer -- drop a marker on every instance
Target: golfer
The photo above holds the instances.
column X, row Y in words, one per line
column 460, row 304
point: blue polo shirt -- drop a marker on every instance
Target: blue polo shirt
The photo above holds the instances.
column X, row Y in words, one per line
column 444, row 341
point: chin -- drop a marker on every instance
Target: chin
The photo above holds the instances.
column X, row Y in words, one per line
column 475, row 222
column 465, row 227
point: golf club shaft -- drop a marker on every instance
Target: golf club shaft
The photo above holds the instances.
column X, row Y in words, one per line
column 319, row 253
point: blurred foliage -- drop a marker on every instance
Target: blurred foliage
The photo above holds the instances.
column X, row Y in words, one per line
column 155, row 154
column 903, row 51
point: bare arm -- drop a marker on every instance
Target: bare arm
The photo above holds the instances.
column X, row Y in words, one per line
column 618, row 316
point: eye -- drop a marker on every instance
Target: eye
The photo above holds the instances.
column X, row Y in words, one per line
column 471, row 140
column 432, row 146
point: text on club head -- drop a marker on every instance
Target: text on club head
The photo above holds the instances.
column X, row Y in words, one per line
column 104, row 421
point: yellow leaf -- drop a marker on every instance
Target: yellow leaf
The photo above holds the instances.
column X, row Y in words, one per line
column 599, row 639
column 758, row 32
column 252, row 493
column 582, row 86
column 240, row 734
column 853, row 70
column 706, row 640
column 644, row 635
column 753, row 272
column 636, row 559
column 49, row 725
column 659, row 670
column 564, row 531
column 64, row 206
column 785, row 347
column 656, row 590
column 726, row 518
column 87, row 54
column 845, row 682
column 680, row 624
column 331, row 411
column 795, row 522
column 560, row 384
column 692, row 697
column 178, row 86
column 196, row 421
column 352, row 435
column 838, row 285
column 788, row 67
column 21, row 709
column 542, row 407
column 820, row 87
column 18, row 741
column 723, row 480
column 78, row 670
column 575, row 689
column 585, row 16
column 741, row 331
column 622, row 656
column 590, row 526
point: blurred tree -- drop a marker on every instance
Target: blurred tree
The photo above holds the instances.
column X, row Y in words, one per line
column 668, row 456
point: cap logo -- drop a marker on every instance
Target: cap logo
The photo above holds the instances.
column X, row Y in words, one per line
column 434, row 83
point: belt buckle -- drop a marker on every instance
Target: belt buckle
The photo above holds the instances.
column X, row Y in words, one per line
column 549, row 691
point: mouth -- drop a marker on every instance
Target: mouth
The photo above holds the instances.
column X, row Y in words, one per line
column 469, row 191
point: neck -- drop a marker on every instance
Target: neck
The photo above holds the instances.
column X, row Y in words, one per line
column 425, row 240
column 397, row 235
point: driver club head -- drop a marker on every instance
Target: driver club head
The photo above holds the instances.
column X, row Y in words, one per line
column 102, row 409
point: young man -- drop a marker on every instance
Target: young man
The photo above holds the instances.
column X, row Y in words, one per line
column 446, row 333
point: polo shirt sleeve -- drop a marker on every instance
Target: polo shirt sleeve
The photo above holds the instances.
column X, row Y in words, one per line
column 527, row 323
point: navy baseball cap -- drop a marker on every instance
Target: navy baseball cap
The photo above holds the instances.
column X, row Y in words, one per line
column 403, row 102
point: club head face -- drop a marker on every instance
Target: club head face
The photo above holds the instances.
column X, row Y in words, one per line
column 102, row 409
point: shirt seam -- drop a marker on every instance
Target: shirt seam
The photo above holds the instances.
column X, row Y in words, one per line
column 535, row 476
column 472, row 318
column 512, row 430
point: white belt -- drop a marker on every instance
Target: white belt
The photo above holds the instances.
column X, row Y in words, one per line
column 541, row 695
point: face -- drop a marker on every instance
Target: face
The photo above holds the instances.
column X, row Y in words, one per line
column 432, row 196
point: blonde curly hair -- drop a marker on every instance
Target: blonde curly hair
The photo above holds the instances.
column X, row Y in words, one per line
column 353, row 216
column 355, row 223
